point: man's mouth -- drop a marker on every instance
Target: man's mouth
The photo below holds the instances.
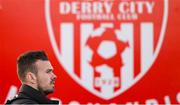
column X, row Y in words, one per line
column 53, row 82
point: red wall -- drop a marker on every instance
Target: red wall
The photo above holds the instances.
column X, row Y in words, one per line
column 23, row 28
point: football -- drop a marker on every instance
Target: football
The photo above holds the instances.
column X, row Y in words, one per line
column 106, row 48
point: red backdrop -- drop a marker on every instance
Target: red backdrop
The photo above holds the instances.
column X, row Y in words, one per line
column 23, row 28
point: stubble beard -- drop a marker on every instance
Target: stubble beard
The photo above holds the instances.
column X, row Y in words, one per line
column 46, row 91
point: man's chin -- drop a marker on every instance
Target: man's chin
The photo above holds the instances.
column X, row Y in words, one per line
column 49, row 91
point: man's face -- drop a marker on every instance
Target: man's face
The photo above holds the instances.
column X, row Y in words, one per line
column 45, row 76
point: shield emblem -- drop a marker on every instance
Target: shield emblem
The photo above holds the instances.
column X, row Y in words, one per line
column 106, row 46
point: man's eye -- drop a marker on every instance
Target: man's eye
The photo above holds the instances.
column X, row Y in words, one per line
column 48, row 71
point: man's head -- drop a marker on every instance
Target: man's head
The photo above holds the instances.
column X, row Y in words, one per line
column 35, row 69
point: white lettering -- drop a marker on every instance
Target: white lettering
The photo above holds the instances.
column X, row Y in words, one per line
column 85, row 7
column 12, row 92
column 97, row 8
column 74, row 103
column 151, row 102
column 132, row 103
column 123, row 7
column 138, row 7
column 64, row 8
column 178, row 97
column 167, row 100
column 150, row 7
column 75, row 8
column 108, row 7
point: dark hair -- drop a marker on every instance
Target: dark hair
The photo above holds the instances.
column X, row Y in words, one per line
column 26, row 63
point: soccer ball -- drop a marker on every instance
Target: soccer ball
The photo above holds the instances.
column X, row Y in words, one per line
column 106, row 48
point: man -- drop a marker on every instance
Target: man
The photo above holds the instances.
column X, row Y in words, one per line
column 36, row 75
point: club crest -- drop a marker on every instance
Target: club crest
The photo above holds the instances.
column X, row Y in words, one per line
column 106, row 46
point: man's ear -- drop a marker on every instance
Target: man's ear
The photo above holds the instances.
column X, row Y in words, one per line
column 31, row 77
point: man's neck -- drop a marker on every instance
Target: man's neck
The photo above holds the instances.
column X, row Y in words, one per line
column 32, row 85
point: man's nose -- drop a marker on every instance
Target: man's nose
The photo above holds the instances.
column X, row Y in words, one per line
column 54, row 76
